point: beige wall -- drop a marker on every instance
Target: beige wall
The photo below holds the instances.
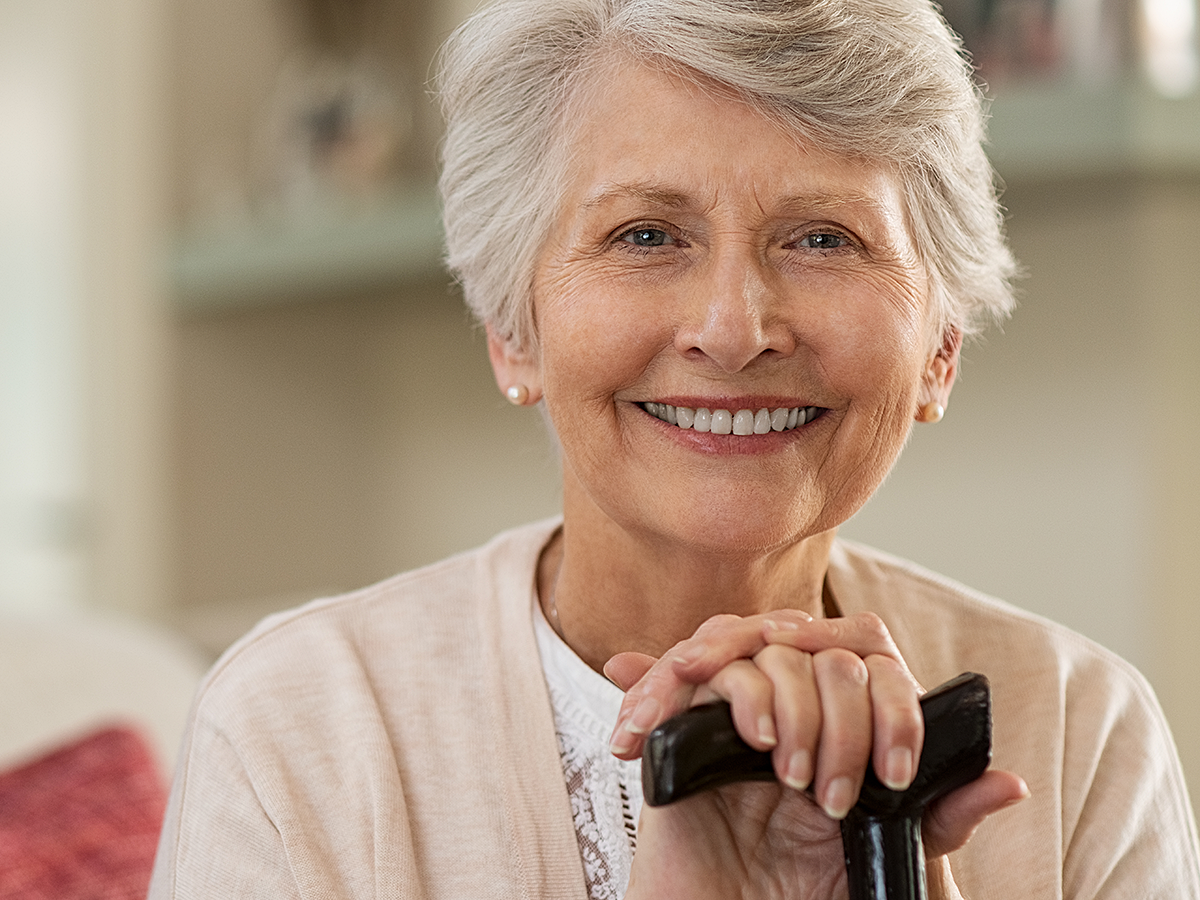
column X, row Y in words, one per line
column 325, row 446
column 242, row 461
column 1170, row 301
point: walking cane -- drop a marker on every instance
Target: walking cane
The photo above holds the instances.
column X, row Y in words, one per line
column 881, row 836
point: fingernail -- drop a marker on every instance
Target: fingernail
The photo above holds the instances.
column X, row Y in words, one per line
column 645, row 716
column 839, row 797
column 622, row 741
column 766, row 731
column 1015, row 800
column 773, row 625
column 690, row 655
column 899, row 766
column 798, row 774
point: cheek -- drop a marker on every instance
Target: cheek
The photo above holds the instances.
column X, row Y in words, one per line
column 871, row 355
column 594, row 340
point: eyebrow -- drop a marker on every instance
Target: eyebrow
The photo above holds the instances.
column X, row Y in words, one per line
column 647, row 192
column 814, row 201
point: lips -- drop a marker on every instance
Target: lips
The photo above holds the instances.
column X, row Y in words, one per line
column 743, row 422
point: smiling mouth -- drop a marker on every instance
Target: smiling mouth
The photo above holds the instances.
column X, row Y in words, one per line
column 741, row 422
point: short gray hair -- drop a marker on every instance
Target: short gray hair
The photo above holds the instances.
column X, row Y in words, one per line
column 882, row 80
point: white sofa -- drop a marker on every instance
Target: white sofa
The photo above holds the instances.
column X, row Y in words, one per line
column 65, row 676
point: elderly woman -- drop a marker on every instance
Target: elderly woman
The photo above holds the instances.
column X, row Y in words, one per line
column 733, row 248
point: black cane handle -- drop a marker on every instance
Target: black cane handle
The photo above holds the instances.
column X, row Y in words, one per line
column 700, row 749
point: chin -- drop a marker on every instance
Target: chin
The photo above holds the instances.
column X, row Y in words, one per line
column 740, row 532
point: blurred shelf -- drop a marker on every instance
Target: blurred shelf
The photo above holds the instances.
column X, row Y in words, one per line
column 1042, row 133
column 321, row 254
column 1068, row 131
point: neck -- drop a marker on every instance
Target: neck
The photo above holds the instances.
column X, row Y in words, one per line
column 606, row 591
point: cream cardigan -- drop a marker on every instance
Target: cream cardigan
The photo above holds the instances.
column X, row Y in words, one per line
column 398, row 742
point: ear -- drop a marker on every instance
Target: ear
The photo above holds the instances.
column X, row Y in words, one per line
column 513, row 367
column 940, row 371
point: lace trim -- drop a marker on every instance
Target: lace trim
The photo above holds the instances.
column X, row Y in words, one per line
column 605, row 792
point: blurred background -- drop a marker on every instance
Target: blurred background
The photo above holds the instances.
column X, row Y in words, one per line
column 233, row 375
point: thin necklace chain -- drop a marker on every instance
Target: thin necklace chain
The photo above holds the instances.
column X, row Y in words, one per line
column 552, row 614
column 549, row 603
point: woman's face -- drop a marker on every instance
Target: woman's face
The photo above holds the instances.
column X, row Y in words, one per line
column 707, row 259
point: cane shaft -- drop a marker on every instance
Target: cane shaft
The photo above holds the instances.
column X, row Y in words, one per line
column 885, row 859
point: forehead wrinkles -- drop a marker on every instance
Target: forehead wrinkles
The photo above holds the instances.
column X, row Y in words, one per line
column 810, row 203
column 834, row 184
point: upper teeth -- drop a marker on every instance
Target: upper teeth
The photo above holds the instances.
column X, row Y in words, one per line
column 722, row 421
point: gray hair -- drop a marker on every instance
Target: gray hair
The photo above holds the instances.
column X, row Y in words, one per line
column 883, row 80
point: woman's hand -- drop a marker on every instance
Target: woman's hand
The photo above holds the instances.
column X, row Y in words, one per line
column 823, row 696
column 827, row 698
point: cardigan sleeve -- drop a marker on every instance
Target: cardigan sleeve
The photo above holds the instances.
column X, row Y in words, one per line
column 1128, row 828
column 396, row 742
column 217, row 840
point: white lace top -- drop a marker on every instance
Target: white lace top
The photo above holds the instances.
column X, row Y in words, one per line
column 606, row 792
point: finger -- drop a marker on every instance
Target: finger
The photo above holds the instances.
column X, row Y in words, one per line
column 899, row 727
column 950, row 821
column 626, row 669
column 752, row 699
column 863, row 633
column 668, row 687
column 656, row 697
column 844, row 747
column 797, row 712
column 660, row 692
column 722, row 639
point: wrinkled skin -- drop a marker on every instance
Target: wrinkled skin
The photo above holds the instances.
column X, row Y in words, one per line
column 705, row 257
column 769, row 840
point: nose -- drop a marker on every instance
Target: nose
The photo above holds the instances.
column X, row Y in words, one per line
column 737, row 314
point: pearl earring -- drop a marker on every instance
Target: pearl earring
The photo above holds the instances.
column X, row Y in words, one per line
column 932, row 412
column 518, row 395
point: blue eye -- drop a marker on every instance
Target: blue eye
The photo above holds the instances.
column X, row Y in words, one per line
column 647, row 237
column 823, row 240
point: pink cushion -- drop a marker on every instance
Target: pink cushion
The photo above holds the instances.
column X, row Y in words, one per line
column 82, row 821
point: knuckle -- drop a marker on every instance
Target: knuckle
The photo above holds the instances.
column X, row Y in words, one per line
column 842, row 665
column 718, row 622
column 740, row 670
column 850, row 743
column 786, row 660
column 759, row 690
column 871, row 625
column 798, row 616
column 715, row 625
column 903, row 724
column 894, row 670
column 884, row 665
column 658, row 678
column 774, row 655
column 677, row 650
column 838, row 627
